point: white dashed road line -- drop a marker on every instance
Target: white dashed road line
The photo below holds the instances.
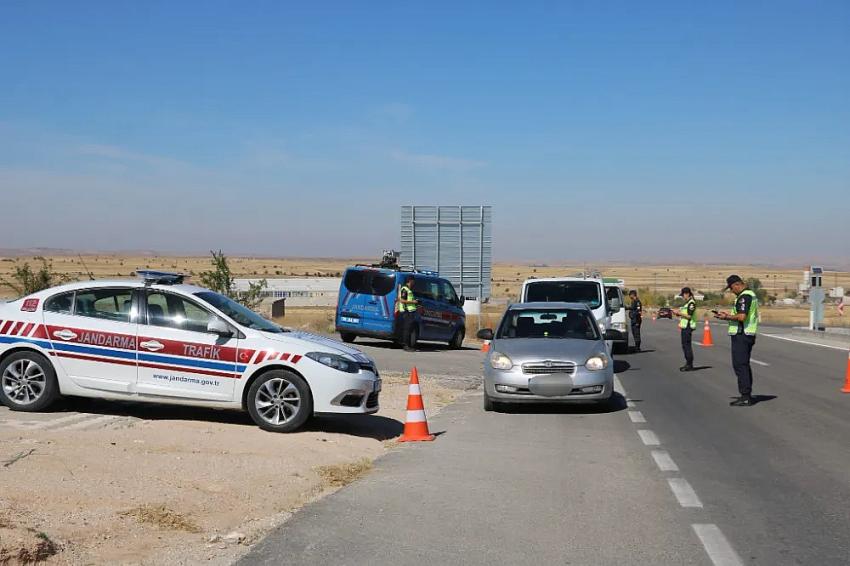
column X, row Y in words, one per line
column 719, row 551
column 685, row 494
column 759, row 362
column 830, row 346
column 716, row 546
column 618, row 386
column 648, row 437
column 664, row 462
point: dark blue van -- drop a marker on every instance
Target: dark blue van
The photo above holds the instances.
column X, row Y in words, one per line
column 366, row 306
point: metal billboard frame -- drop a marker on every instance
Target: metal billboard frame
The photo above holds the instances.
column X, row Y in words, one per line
column 466, row 273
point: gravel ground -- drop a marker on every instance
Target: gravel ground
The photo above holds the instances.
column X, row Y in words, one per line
column 175, row 485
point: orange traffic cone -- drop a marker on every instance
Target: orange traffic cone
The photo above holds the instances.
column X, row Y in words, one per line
column 846, row 388
column 485, row 346
column 706, row 335
column 415, row 425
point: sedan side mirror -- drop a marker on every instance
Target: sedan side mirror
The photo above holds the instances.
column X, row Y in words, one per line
column 218, row 326
column 613, row 335
column 485, row 334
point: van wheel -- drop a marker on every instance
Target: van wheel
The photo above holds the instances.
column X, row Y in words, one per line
column 280, row 401
column 456, row 343
column 348, row 337
column 28, row 382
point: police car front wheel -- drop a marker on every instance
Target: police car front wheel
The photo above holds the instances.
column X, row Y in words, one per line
column 280, row 401
column 27, row 382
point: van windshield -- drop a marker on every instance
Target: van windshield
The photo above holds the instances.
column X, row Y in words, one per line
column 586, row 292
column 369, row 281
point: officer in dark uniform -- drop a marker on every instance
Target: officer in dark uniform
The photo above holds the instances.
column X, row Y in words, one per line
column 687, row 324
column 636, row 317
column 406, row 305
column 743, row 327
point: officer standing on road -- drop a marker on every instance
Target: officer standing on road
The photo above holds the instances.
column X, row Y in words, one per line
column 743, row 326
column 636, row 317
column 687, row 324
column 406, row 307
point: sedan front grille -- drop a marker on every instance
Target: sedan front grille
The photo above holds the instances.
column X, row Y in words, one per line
column 537, row 368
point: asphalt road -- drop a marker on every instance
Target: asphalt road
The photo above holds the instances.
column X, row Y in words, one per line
column 677, row 477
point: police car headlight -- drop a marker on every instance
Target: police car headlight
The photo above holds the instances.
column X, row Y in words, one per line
column 500, row 361
column 335, row 361
column 597, row 362
column 602, row 327
column 621, row 326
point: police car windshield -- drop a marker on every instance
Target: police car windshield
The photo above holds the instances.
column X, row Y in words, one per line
column 586, row 292
column 241, row 314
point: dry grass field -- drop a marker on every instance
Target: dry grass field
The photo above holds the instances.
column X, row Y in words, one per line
column 507, row 278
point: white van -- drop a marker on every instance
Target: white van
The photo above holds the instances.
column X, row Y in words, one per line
column 587, row 290
column 619, row 318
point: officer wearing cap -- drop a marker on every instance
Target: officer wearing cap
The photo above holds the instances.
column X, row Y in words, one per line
column 687, row 324
column 743, row 326
column 636, row 317
column 406, row 309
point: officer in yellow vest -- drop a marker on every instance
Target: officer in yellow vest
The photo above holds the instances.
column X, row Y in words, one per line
column 743, row 327
column 687, row 324
column 405, row 306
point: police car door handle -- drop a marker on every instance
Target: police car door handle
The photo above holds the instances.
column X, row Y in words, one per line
column 152, row 345
column 65, row 334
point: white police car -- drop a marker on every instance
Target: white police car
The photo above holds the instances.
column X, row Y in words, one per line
column 158, row 340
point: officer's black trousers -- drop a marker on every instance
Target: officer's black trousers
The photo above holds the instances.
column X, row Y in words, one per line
column 742, row 347
column 687, row 347
column 636, row 335
column 408, row 319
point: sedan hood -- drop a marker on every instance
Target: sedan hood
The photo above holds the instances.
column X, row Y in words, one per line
column 322, row 344
column 521, row 350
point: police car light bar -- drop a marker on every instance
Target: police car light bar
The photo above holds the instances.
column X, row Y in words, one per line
column 160, row 277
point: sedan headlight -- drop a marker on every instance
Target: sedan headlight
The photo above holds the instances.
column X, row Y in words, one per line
column 621, row 326
column 602, row 327
column 597, row 362
column 500, row 361
column 335, row 361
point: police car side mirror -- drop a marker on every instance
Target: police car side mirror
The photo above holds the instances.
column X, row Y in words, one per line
column 218, row 326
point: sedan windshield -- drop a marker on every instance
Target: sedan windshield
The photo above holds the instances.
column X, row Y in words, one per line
column 241, row 314
column 586, row 292
column 548, row 323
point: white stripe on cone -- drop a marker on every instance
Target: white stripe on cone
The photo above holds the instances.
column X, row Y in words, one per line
column 413, row 389
column 416, row 416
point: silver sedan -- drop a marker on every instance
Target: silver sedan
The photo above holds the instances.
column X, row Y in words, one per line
column 547, row 353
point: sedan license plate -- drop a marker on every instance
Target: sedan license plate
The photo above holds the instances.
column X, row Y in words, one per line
column 376, row 388
column 350, row 319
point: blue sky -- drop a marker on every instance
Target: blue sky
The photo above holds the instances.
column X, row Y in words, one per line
column 597, row 130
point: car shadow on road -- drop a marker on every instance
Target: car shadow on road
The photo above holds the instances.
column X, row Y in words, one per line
column 370, row 426
column 615, row 404
column 621, row 366
column 365, row 426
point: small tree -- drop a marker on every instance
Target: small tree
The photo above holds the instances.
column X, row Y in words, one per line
column 25, row 281
column 755, row 286
column 220, row 280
